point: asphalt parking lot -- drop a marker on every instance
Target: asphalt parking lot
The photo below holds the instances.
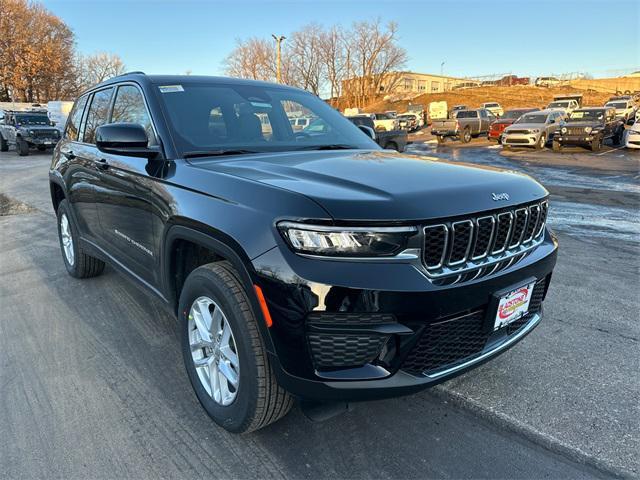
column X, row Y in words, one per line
column 92, row 382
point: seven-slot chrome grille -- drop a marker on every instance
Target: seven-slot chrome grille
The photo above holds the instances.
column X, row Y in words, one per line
column 465, row 249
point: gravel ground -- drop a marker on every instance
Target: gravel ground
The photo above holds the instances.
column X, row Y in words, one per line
column 91, row 381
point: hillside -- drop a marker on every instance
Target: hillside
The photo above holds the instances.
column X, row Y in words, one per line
column 508, row 97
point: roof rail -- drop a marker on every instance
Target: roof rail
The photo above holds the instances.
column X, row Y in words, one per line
column 130, row 73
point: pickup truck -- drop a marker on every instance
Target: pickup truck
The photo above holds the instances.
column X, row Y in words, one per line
column 467, row 124
column 385, row 121
column 394, row 139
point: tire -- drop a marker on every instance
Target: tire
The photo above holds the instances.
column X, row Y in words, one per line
column 596, row 144
column 77, row 263
column 393, row 146
column 258, row 399
column 617, row 139
column 4, row 146
column 441, row 140
column 466, row 136
column 22, row 147
column 556, row 146
column 542, row 141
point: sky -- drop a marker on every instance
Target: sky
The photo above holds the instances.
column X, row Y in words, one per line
column 527, row 38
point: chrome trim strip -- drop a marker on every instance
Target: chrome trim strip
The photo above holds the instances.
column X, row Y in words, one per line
column 453, row 241
column 408, row 254
column 509, row 215
column 535, row 227
column 544, row 210
column 529, row 326
column 330, row 228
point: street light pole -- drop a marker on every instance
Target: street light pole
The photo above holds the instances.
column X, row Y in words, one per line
column 278, row 56
column 442, row 69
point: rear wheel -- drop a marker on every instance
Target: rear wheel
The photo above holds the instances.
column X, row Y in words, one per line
column 466, row 136
column 224, row 353
column 4, row 146
column 596, row 144
column 617, row 138
column 542, row 141
column 76, row 261
column 441, row 139
column 22, row 147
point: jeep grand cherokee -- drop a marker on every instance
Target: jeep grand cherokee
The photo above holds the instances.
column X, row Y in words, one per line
column 304, row 264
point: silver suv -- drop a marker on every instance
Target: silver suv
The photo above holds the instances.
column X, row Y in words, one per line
column 533, row 129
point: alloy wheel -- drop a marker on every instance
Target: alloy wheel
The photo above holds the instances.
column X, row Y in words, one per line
column 67, row 239
column 213, row 350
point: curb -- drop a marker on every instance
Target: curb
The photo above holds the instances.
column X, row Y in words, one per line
column 540, row 438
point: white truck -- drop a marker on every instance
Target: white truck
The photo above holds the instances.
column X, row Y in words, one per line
column 438, row 110
column 565, row 103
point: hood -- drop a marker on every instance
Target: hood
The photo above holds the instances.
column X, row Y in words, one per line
column 582, row 124
column 504, row 121
column 527, row 126
column 381, row 185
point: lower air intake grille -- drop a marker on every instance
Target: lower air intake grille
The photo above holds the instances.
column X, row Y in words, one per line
column 454, row 341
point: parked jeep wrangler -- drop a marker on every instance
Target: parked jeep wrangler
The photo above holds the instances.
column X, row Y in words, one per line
column 589, row 127
column 304, row 264
column 25, row 130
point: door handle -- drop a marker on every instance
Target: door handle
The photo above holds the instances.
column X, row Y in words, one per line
column 69, row 155
column 103, row 164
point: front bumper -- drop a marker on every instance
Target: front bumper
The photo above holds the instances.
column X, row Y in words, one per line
column 575, row 140
column 383, row 324
column 47, row 142
column 520, row 139
column 633, row 141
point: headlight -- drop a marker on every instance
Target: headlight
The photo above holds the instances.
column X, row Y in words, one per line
column 563, row 129
column 587, row 129
column 346, row 241
column 32, row 132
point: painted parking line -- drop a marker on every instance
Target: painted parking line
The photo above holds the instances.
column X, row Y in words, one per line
column 609, row 151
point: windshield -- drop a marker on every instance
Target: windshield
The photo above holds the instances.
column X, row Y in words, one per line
column 491, row 105
column 32, row 120
column 617, row 105
column 586, row 116
column 532, row 118
column 218, row 117
column 559, row 105
column 514, row 113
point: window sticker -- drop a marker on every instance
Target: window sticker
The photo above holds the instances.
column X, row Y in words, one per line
column 171, row 88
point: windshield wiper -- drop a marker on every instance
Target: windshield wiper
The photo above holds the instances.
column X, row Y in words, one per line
column 216, row 153
column 334, row 146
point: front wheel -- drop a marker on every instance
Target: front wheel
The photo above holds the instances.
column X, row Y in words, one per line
column 224, row 353
column 22, row 147
column 542, row 141
column 441, row 140
column 556, row 146
column 596, row 144
column 76, row 261
column 4, row 145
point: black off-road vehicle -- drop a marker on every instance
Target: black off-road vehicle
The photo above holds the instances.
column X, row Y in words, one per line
column 589, row 127
column 28, row 129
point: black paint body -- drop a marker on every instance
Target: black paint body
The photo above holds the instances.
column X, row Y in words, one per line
column 133, row 212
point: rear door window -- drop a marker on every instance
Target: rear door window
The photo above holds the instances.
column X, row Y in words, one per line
column 97, row 115
column 73, row 125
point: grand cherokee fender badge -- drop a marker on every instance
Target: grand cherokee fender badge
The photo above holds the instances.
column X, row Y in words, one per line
column 499, row 196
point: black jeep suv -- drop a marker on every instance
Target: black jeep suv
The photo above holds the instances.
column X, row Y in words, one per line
column 589, row 127
column 303, row 264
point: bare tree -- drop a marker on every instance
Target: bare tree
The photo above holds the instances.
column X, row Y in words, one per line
column 98, row 67
column 252, row 58
column 374, row 59
column 334, row 56
column 305, row 56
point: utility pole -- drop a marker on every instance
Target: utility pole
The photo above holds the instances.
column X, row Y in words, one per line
column 442, row 69
column 278, row 56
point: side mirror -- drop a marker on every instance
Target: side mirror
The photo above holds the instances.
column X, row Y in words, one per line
column 369, row 132
column 552, row 121
column 125, row 139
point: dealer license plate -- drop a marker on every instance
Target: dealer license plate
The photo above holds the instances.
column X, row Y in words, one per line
column 513, row 306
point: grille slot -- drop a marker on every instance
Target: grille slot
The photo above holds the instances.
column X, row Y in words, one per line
column 467, row 249
column 484, row 234
column 450, row 342
column 331, row 350
column 462, row 233
column 519, row 226
column 435, row 245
